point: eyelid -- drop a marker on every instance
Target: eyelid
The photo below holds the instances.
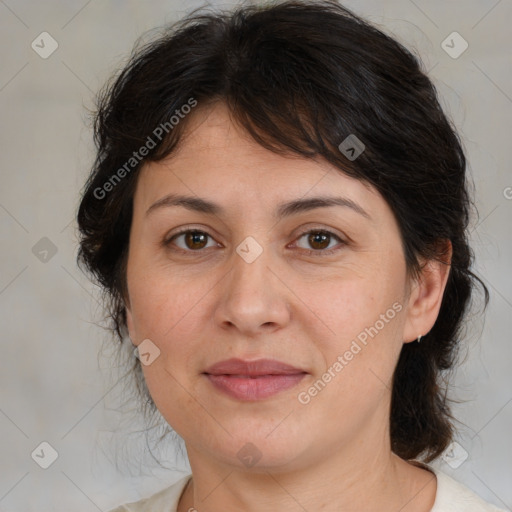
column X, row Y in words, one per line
column 315, row 228
column 190, row 227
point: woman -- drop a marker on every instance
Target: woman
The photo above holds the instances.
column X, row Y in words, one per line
column 278, row 212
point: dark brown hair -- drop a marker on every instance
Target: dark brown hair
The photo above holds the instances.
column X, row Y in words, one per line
column 300, row 77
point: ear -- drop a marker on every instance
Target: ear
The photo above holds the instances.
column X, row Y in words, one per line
column 426, row 295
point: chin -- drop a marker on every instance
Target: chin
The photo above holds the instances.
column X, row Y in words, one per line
column 254, row 450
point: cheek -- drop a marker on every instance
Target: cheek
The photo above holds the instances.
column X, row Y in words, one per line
column 360, row 319
column 168, row 315
column 346, row 307
column 174, row 398
column 161, row 303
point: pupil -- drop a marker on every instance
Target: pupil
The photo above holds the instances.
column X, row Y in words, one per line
column 195, row 237
column 314, row 239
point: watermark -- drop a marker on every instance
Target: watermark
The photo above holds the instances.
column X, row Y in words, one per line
column 44, row 45
column 455, row 455
column 507, row 192
column 44, row 250
column 352, row 147
column 146, row 352
column 249, row 454
column 44, row 455
column 249, row 249
column 454, row 45
column 158, row 133
column 304, row 397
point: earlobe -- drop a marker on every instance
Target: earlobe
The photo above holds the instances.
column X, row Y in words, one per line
column 427, row 295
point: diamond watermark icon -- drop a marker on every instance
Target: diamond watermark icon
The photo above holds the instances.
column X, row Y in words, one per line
column 146, row 352
column 249, row 249
column 44, row 455
column 44, row 250
column 455, row 455
column 454, row 45
column 44, row 45
column 249, row 455
column 352, row 147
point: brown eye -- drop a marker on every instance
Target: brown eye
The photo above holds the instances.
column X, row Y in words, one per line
column 317, row 239
column 193, row 240
column 320, row 241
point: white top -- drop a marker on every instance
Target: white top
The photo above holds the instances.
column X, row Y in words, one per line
column 451, row 496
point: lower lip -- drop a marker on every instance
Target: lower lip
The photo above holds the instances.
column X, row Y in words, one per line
column 258, row 388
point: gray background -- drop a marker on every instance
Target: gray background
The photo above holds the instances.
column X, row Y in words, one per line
column 54, row 385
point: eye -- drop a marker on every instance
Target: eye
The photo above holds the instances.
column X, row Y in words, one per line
column 320, row 240
column 193, row 239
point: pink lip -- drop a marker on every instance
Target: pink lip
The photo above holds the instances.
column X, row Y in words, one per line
column 253, row 380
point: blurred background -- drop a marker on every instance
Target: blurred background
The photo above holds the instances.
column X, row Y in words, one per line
column 70, row 439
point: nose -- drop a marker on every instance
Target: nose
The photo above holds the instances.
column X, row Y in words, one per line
column 253, row 299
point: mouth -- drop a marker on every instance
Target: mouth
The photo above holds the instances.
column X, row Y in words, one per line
column 253, row 380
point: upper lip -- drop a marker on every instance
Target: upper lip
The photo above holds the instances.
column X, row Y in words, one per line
column 252, row 368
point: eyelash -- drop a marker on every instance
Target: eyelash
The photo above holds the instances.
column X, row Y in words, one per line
column 309, row 252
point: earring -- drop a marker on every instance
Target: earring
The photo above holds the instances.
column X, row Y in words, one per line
column 419, row 338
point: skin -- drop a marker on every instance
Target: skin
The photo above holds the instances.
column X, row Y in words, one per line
column 209, row 304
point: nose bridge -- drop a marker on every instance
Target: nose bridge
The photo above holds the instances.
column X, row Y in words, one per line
column 250, row 261
column 252, row 297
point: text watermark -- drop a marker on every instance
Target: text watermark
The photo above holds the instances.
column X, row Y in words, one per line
column 158, row 133
column 304, row 397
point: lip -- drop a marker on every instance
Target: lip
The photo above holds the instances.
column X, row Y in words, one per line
column 253, row 380
column 255, row 368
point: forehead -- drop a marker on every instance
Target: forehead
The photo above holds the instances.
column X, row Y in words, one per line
column 212, row 127
column 213, row 142
column 219, row 161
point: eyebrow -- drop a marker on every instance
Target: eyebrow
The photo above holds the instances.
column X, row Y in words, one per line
column 198, row 204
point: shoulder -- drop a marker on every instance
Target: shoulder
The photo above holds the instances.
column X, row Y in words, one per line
column 165, row 500
column 452, row 496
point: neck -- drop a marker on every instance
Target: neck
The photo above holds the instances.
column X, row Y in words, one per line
column 377, row 482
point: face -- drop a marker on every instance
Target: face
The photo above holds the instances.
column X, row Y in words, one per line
column 322, row 289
